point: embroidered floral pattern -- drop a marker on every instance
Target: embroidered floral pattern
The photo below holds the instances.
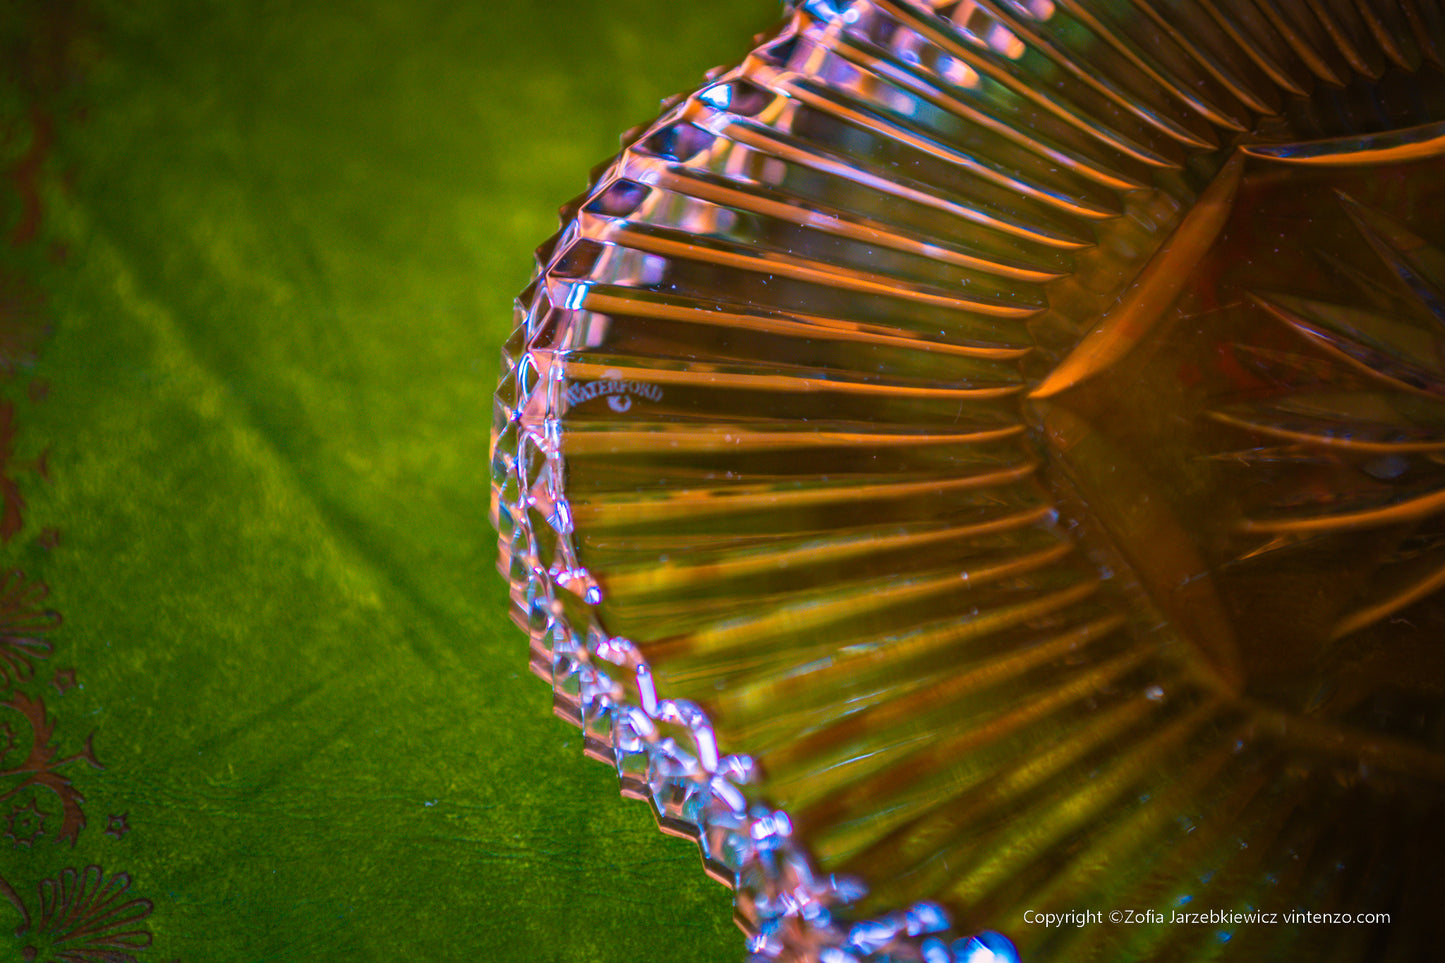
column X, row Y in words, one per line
column 117, row 825
column 24, row 825
column 24, row 624
column 80, row 916
column 31, row 776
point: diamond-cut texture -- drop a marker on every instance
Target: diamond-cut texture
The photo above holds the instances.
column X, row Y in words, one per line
column 664, row 750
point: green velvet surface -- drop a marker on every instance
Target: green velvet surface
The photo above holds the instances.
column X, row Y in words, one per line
column 252, row 335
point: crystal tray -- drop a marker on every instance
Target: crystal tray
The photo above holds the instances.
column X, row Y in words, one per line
column 979, row 468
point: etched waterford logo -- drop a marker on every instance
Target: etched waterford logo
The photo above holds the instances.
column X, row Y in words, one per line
column 619, row 393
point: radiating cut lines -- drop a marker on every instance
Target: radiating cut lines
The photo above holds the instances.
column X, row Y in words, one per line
column 823, row 521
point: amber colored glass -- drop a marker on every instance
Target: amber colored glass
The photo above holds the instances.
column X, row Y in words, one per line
column 976, row 460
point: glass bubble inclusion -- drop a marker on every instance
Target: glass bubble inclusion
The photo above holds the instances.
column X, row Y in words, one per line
column 983, row 457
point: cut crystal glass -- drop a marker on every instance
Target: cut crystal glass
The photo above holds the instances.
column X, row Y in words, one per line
column 980, row 460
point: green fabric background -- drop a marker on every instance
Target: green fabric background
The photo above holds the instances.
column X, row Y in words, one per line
column 276, row 257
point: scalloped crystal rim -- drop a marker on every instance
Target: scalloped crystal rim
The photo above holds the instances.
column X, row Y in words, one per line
column 664, row 750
